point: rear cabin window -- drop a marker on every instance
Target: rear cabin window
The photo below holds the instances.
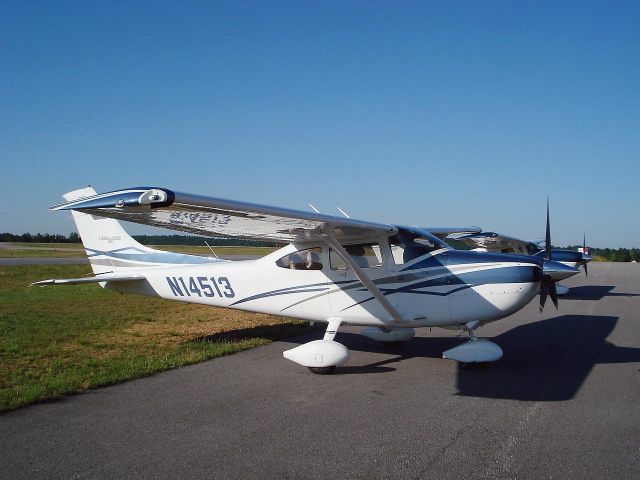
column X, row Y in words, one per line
column 309, row 259
column 365, row 255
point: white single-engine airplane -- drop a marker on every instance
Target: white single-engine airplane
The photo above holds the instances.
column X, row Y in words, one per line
column 387, row 278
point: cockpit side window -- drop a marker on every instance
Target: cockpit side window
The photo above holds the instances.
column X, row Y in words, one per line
column 365, row 255
column 408, row 244
column 308, row 259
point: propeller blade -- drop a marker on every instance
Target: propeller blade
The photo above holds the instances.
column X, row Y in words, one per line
column 584, row 251
column 547, row 285
column 544, row 291
column 553, row 293
column 543, row 298
column 548, row 235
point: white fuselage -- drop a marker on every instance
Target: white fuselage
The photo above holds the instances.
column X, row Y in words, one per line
column 429, row 291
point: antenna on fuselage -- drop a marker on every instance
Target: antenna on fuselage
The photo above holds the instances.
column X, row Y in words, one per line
column 214, row 253
column 343, row 212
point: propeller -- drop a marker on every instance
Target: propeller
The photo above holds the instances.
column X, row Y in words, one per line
column 547, row 237
column 548, row 289
column 584, row 252
column 547, row 285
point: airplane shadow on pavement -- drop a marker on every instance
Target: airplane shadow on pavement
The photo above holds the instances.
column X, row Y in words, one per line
column 595, row 292
column 546, row 360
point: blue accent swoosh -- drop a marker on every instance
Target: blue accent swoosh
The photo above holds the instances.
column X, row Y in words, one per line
column 151, row 257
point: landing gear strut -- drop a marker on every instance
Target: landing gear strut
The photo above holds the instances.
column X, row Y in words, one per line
column 320, row 356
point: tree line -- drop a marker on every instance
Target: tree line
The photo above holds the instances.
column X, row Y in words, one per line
column 144, row 239
column 612, row 254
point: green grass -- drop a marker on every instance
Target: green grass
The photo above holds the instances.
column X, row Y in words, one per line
column 70, row 250
column 59, row 340
column 42, row 250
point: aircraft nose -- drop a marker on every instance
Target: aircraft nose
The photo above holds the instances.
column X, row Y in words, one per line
column 558, row 271
column 586, row 258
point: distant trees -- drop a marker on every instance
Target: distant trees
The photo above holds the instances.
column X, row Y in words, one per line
column 613, row 254
column 607, row 254
column 144, row 239
column 40, row 238
column 197, row 240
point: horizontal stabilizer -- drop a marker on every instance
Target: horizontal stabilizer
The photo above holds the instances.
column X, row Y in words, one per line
column 97, row 279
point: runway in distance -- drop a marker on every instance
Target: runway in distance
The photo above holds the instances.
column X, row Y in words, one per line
column 389, row 279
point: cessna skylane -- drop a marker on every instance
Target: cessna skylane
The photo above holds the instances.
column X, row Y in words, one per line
column 389, row 279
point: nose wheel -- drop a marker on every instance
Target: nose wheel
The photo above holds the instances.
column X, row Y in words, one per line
column 320, row 356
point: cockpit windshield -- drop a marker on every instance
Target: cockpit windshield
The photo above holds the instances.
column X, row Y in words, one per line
column 410, row 243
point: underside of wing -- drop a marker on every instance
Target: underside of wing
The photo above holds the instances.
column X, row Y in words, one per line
column 216, row 217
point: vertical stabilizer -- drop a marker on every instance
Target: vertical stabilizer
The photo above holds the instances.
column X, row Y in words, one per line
column 103, row 237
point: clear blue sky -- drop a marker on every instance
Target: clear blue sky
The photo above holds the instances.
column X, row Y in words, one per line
column 423, row 113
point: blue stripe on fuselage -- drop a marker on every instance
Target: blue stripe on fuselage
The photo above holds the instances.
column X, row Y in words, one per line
column 456, row 257
column 151, row 257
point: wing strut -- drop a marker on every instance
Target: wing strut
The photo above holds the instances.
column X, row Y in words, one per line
column 362, row 276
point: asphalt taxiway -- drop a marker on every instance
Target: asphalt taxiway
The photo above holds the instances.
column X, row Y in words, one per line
column 563, row 402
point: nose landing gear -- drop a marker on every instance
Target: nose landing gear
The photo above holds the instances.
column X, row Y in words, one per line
column 320, row 356
column 475, row 350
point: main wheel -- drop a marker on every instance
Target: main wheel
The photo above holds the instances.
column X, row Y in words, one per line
column 322, row 370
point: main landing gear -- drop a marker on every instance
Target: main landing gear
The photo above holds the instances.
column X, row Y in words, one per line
column 320, row 356
column 475, row 350
column 323, row 356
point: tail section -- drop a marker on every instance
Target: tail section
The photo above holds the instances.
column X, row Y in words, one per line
column 110, row 248
column 102, row 236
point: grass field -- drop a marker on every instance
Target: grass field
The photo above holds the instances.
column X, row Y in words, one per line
column 70, row 250
column 59, row 340
column 41, row 250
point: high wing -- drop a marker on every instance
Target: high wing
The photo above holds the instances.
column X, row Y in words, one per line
column 496, row 242
column 110, row 277
column 216, row 217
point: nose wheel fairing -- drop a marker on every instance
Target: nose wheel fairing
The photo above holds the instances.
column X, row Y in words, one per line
column 320, row 356
column 475, row 350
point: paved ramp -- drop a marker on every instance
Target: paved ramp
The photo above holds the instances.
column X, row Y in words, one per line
column 562, row 403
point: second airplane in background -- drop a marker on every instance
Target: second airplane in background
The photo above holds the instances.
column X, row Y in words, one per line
column 500, row 243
